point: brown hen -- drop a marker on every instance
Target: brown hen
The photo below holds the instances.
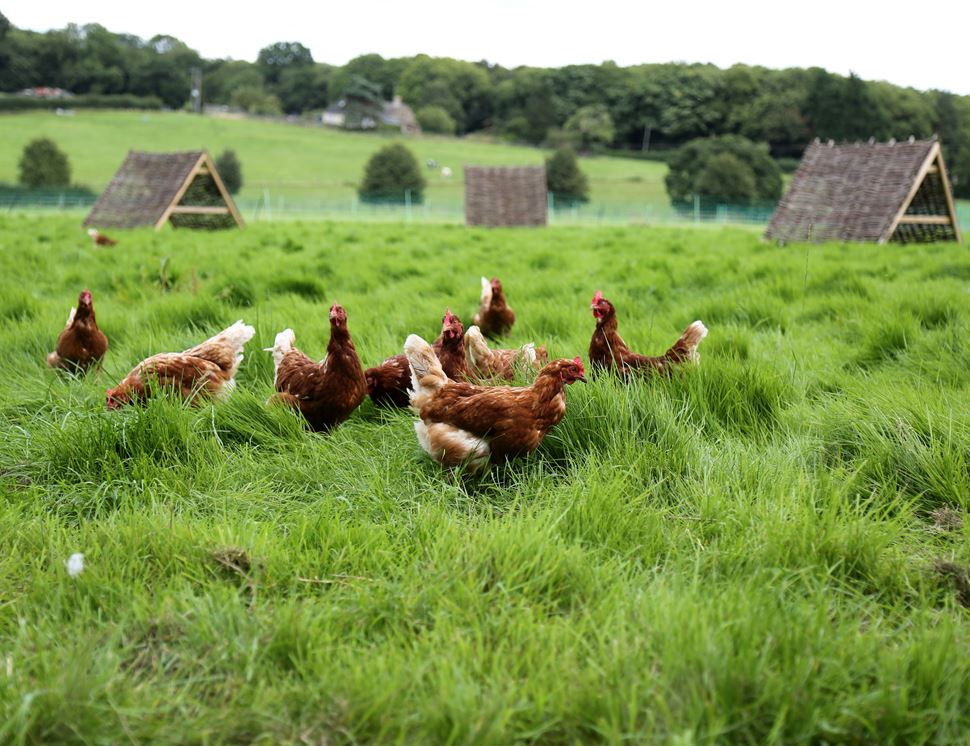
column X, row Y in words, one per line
column 608, row 351
column 204, row 371
column 82, row 343
column 389, row 384
column 488, row 364
column 326, row 393
column 494, row 316
column 461, row 423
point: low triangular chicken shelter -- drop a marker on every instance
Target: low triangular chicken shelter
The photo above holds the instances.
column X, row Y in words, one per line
column 154, row 188
column 868, row 192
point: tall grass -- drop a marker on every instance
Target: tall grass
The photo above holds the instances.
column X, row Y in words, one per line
column 746, row 552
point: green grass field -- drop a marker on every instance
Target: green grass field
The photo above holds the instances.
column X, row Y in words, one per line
column 295, row 162
column 748, row 552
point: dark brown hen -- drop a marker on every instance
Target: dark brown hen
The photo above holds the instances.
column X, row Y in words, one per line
column 389, row 384
column 82, row 343
column 326, row 393
column 608, row 351
column 494, row 316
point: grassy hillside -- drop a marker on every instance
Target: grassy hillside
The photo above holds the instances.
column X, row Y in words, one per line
column 748, row 552
column 297, row 162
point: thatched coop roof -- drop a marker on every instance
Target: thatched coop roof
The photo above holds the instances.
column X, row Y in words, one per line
column 154, row 188
column 508, row 195
column 868, row 192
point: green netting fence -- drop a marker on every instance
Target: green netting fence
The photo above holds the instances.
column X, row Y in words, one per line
column 282, row 205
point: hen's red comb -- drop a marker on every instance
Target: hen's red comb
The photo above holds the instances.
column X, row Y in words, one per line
column 598, row 296
column 448, row 315
column 579, row 363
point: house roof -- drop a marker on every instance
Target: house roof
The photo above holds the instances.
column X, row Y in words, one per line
column 859, row 192
column 398, row 112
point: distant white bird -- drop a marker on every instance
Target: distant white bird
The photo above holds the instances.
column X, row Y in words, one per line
column 75, row 564
column 445, row 171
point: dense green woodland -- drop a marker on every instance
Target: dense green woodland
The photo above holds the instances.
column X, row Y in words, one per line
column 659, row 106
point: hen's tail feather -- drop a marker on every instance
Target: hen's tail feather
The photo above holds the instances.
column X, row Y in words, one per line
column 528, row 354
column 53, row 360
column 477, row 350
column 70, row 317
column 685, row 348
column 282, row 344
column 486, row 300
column 427, row 377
column 235, row 337
column 486, row 291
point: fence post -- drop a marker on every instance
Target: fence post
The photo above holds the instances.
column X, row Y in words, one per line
column 550, row 207
column 267, row 205
column 407, row 204
column 697, row 209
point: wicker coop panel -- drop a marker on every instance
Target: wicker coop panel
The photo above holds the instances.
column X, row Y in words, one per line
column 505, row 196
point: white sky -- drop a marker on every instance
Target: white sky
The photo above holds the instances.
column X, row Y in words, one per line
column 924, row 46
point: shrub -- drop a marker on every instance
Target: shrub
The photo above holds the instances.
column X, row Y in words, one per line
column 436, row 119
column 14, row 102
column 43, row 164
column 230, row 170
column 728, row 177
column 390, row 172
column 730, row 168
column 557, row 137
column 564, row 179
column 255, row 100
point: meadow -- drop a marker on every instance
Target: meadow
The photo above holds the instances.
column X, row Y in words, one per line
column 294, row 162
column 769, row 548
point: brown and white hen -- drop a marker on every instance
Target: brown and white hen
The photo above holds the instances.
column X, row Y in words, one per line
column 489, row 364
column 460, row 423
column 207, row 370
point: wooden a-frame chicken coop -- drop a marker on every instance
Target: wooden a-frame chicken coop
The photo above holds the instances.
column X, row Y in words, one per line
column 183, row 189
column 868, row 192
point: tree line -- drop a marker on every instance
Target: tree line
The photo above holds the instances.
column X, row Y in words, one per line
column 649, row 108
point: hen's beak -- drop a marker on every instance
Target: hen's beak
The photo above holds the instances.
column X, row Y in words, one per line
column 583, row 379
